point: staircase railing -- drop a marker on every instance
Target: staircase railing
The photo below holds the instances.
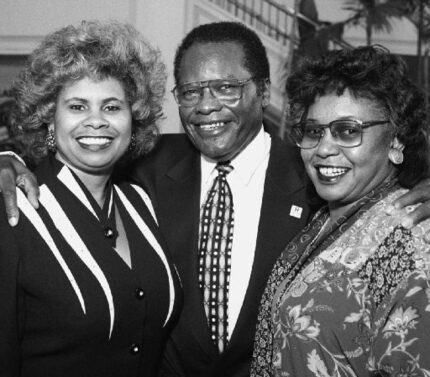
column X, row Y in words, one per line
column 272, row 19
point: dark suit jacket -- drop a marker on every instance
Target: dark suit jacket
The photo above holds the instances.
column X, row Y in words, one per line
column 44, row 331
column 171, row 174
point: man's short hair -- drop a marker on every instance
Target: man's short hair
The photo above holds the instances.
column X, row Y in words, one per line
column 255, row 60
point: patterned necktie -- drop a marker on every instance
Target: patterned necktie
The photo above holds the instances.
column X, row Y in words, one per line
column 216, row 238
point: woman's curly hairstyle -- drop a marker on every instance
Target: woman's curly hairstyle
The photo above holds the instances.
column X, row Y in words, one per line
column 97, row 50
column 370, row 72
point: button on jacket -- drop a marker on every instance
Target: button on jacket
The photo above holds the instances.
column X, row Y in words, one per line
column 70, row 306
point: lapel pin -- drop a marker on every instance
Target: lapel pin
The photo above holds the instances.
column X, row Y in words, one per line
column 296, row 211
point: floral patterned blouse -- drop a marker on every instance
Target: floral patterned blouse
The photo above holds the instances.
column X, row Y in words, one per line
column 360, row 307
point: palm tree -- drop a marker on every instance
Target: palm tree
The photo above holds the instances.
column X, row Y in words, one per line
column 374, row 15
column 418, row 12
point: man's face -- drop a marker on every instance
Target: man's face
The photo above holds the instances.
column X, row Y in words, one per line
column 220, row 130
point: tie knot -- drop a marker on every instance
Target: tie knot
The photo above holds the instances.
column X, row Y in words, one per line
column 224, row 167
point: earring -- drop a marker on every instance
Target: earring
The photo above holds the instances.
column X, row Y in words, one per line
column 132, row 145
column 396, row 156
column 50, row 141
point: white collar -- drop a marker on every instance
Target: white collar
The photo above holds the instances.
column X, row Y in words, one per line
column 246, row 163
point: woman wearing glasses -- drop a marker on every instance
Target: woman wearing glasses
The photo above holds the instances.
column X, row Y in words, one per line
column 350, row 295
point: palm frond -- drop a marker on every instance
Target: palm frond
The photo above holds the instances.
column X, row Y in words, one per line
column 379, row 16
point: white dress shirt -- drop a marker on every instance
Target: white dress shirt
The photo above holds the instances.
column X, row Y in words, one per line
column 247, row 186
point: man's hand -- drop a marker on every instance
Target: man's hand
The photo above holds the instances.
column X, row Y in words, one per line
column 418, row 194
column 13, row 173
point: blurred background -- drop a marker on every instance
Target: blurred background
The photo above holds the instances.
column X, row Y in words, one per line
column 288, row 28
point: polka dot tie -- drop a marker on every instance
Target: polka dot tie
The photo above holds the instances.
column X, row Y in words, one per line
column 216, row 238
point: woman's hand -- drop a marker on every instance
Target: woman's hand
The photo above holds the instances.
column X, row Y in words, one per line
column 13, row 173
column 418, row 194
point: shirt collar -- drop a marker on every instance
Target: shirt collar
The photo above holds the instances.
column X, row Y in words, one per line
column 246, row 163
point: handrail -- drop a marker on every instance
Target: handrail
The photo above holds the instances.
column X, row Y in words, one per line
column 255, row 17
column 272, row 19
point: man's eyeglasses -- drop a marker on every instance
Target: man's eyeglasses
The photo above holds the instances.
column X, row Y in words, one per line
column 346, row 133
column 224, row 90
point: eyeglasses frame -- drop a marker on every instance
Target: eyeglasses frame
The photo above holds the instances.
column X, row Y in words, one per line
column 206, row 84
column 363, row 125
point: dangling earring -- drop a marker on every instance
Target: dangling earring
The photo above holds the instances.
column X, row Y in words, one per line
column 132, row 145
column 50, row 141
column 396, row 156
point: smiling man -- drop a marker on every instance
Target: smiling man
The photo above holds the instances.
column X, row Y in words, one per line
column 222, row 88
column 220, row 129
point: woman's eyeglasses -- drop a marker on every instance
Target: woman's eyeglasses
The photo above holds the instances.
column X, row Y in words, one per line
column 346, row 133
column 224, row 90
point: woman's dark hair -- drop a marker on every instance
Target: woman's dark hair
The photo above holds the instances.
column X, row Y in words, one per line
column 370, row 72
column 97, row 50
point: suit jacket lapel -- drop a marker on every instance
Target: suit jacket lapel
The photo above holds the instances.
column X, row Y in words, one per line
column 180, row 206
column 284, row 187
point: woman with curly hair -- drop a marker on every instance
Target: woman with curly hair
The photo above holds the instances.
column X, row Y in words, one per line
column 87, row 288
column 349, row 296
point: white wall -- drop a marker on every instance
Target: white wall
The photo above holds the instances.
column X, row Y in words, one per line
column 163, row 23
column 24, row 22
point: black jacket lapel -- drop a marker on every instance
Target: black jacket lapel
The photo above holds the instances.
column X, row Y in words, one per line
column 180, row 208
column 284, row 187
